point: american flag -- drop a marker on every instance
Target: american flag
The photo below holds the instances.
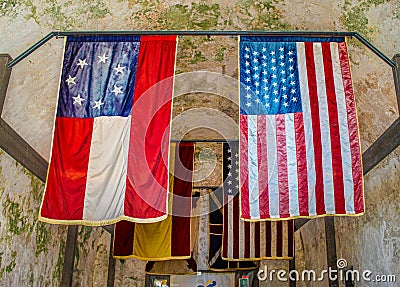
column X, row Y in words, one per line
column 299, row 145
column 244, row 241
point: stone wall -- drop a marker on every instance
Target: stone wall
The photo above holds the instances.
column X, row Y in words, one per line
column 31, row 252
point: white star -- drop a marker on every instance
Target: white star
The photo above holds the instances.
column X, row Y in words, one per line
column 229, row 150
column 248, row 80
column 257, row 92
column 291, row 68
column 282, row 64
column 285, row 104
column 247, row 56
column 265, row 80
column 258, row 101
column 119, row 69
column 281, row 49
column 70, row 80
column 78, row 100
column 256, row 76
column 255, row 60
column 293, row 91
column 247, row 49
column 230, row 182
column 275, row 92
column 248, row 96
column 82, row 63
column 229, row 190
column 229, row 174
column 283, row 72
column 267, row 105
column 229, row 166
column 274, row 84
column 266, row 96
column 274, row 76
column 264, row 72
column 294, row 99
column 264, row 49
column 276, row 100
column 273, row 60
column 266, row 88
column 236, row 155
column 284, row 96
column 264, row 57
column 283, row 80
column 273, row 68
column 256, row 84
column 281, row 57
column 290, row 53
column 247, row 88
column 229, row 158
column 272, row 53
column 255, row 53
column 291, row 75
column 248, row 104
column 247, row 71
column 237, row 171
column 255, row 68
column 117, row 90
column 291, row 60
column 247, row 63
column 264, row 64
column 292, row 83
column 102, row 59
column 283, row 88
column 98, row 104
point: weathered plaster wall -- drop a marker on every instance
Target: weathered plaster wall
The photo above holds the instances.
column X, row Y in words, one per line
column 371, row 241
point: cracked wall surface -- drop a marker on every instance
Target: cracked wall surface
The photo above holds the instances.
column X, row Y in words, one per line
column 32, row 252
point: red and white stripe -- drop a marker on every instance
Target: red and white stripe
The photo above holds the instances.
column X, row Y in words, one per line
column 244, row 240
column 306, row 163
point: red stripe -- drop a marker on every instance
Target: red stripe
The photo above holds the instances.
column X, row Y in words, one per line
column 353, row 129
column 244, row 172
column 282, row 166
column 124, row 238
column 312, row 87
column 235, row 219
column 147, row 178
column 66, row 181
column 182, row 203
column 290, row 250
column 225, row 231
column 246, row 239
column 279, row 238
column 337, row 167
column 257, row 239
column 301, row 158
column 262, row 166
column 268, row 242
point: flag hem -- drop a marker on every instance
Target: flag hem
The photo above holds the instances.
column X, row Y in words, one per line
column 302, row 216
column 102, row 222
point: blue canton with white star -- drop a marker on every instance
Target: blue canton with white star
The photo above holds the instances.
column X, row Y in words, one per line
column 98, row 76
column 269, row 78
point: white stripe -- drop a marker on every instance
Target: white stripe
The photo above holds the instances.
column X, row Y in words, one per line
column 285, row 240
column 106, row 179
column 230, row 229
column 292, row 165
column 252, row 241
column 329, row 188
column 273, row 188
column 253, row 167
column 263, row 243
column 308, row 133
column 203, row 242
column 343, row 131
column 273, row 238
column 241, row 238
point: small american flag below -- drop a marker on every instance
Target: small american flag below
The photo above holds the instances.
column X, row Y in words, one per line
column 244, row 241
column 299, row 145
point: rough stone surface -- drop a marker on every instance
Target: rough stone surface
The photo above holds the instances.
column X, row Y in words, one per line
column 31, row 252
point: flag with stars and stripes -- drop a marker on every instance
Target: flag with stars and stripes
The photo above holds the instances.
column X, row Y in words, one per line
column 109, row 158
column 299, row 145
column 246, row 241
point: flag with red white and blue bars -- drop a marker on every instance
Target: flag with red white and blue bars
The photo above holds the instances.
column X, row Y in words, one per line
column 109, row 158
column 299, row 145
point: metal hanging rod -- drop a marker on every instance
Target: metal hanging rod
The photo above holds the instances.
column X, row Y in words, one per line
column 203, row 141
column 204, row 33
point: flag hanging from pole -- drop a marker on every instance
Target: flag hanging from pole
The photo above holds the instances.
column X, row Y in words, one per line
column 243, row 240
column 299, row 145
column 170, row 238
column 109, row 158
